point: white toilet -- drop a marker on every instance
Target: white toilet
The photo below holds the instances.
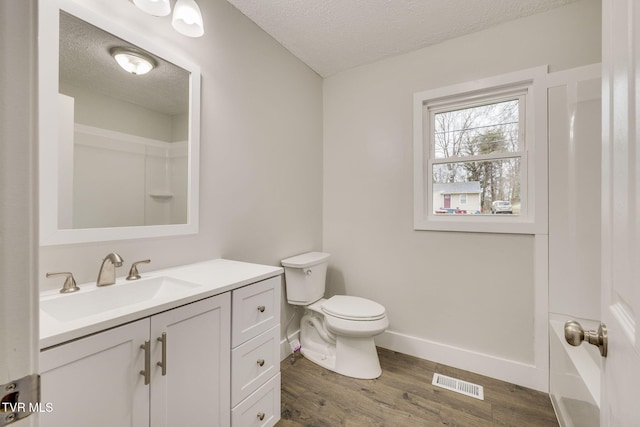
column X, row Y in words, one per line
column 336, row 333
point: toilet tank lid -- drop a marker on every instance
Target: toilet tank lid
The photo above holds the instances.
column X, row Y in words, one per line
column 305, row 260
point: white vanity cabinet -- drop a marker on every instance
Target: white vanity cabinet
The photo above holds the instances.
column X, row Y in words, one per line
column 96, row 380
column 255, row 354
column 194, row 391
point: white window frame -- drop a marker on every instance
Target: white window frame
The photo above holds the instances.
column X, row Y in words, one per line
column 530, row 86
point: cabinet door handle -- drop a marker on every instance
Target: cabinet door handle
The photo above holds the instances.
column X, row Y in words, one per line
column 146, row 373
column 261, row 308
column 163, row 363
column 261, row 416
column 261, row 362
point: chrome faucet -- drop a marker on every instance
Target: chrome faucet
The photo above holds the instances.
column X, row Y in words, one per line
column 107, row 274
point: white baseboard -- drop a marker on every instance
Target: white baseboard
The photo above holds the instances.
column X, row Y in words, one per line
column 495, row 367
column 503, row 369
column 285, row 350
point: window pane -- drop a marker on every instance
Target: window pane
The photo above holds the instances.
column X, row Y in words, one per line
column 487, row 187
column 485, row 129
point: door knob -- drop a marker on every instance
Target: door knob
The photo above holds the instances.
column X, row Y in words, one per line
column 574, row 334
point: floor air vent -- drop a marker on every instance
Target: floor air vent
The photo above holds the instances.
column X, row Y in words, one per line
column 459, row 386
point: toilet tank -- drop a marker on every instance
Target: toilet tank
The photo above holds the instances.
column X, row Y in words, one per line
column 305, row 277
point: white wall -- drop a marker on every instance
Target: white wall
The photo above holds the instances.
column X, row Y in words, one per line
column 101, row 111
column 574, row 199
column 463, row 299
column 261, row 150
column 575, row 145
column 146, row 169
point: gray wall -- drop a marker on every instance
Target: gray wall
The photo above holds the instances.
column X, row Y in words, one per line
column 261, row 150
column 471, row 292
column 272, row 185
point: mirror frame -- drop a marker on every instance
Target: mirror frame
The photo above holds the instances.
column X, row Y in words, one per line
column 48, row 73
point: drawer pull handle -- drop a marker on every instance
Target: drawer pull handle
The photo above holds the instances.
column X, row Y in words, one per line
column 261, row 308
column 261, row 416
column 260, row 362
column 163, row 364
column 146, row 373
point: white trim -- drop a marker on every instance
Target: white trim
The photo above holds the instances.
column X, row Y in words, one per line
column 484, row 364
column 541, row 310
column 124, row 142
column 285, row 350
column 534, row 158
column 563, row 77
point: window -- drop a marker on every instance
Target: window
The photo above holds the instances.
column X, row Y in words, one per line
column 481, row 144
column 475, row 155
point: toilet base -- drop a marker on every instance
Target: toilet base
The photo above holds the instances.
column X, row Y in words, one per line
column 357, row 358
column 319, row 358
column 354, row 357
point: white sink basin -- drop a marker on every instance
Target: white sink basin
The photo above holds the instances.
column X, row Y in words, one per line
column 94, row 301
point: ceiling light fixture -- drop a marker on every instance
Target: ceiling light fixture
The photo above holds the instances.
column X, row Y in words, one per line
column 187, row 19
column 133, row 62
column 154, row 7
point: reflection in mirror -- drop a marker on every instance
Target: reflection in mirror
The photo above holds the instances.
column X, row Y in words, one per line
column 119, row 151
column 123, row 140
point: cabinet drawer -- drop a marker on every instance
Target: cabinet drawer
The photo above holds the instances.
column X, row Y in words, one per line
column 264, row 403
column 255, row 309
column 253, row 363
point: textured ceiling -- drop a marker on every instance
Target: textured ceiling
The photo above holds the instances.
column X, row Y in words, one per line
column 85, row 62
column 334, row 35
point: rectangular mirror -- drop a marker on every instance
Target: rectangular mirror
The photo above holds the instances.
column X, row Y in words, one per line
column 118, row 146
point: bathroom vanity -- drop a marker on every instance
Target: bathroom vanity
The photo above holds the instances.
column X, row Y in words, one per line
column 196, row 345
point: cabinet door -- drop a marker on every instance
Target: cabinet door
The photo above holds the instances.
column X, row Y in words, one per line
column 95, row 381
column 195, row 389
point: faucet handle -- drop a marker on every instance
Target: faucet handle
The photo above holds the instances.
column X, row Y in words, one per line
column 133, row 272
column 69, row 282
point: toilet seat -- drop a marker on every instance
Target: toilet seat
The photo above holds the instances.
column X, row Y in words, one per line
column 353, row 308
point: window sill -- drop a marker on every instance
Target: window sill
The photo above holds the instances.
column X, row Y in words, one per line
column 473, row 224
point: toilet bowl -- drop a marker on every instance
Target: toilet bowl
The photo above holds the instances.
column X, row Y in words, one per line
column 335, row 333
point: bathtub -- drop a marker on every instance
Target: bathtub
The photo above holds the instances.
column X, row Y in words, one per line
column 574, row 377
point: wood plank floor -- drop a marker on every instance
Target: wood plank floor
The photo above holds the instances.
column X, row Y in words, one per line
column 403, row 396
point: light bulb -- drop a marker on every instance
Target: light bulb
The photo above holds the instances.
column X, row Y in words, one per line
column 133, row 62
column 187, row 18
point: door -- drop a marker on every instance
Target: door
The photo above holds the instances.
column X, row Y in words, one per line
column 620, row 306
column 18, row 207
column 447, row 201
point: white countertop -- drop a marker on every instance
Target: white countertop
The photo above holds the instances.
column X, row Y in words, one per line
column 212, row 277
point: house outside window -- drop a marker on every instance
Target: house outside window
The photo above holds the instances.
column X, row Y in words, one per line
column 475, row 145
column 457, row 198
